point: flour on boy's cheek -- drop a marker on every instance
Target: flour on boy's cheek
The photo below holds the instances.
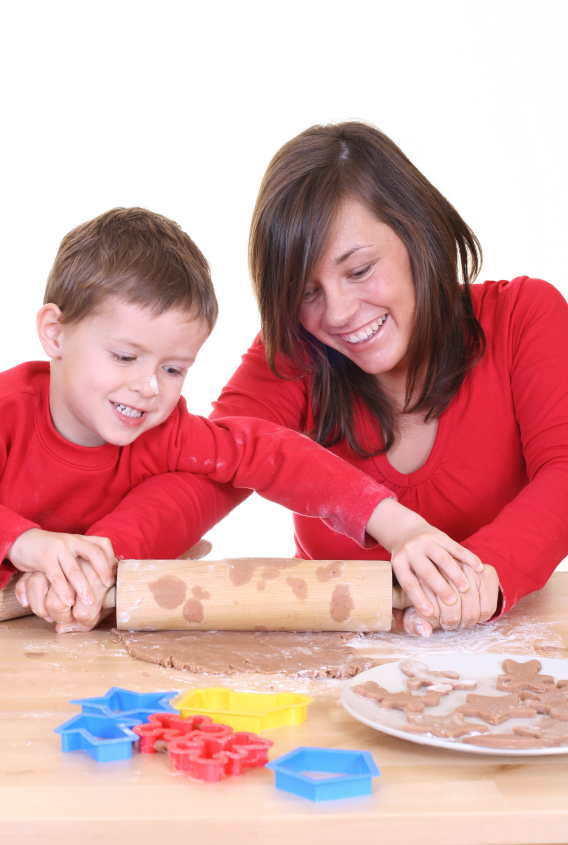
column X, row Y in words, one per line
column 153, row 382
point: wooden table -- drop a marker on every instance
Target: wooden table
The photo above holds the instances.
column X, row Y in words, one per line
column 425, row 796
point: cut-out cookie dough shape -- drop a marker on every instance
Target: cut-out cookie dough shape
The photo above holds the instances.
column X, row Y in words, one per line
column 548, row 731
column 554, row 703
column 420, row 676
column 452, row 726
column 503, row 741
column 562, row 684
column 405, row 700
column 495, row 709
column 523, row 676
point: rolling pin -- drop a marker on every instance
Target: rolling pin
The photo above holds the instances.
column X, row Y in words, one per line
column 247, row 594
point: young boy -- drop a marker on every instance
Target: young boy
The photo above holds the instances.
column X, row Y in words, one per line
column 128, row 304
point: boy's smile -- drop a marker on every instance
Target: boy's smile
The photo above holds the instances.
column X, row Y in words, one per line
column 120, row 372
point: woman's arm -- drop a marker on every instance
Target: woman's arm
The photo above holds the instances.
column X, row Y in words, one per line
column 529, row 537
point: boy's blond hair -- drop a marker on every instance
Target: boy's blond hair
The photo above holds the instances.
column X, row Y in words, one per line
column 134, row 255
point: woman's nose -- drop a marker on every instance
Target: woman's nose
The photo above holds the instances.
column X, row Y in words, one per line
column 340, row 307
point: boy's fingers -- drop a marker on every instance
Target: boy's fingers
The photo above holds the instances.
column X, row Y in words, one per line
column 102, row 562
column 414, row 624
column 426, row 570
column 74, row 576
column 411, row 586
column 453, row 572
column 37, row 588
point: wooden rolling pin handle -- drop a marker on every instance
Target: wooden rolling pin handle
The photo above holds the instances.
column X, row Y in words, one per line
column 400, row 600
column 109, row 602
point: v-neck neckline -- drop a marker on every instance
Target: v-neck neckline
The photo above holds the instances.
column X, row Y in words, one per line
column 411, row 479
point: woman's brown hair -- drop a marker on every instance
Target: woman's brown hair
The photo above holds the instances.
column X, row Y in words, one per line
column 306, row 181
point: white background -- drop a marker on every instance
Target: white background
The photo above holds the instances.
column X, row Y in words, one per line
column 179, row 106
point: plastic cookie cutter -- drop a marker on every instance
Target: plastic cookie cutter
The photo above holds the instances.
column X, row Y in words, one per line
column 246, row 711
column 324, row 774
column 104, row 739
column 125, row 704
column 209, row 758
column 161, row 728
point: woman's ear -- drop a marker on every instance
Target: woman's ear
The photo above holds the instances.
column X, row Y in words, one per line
column 50, row 330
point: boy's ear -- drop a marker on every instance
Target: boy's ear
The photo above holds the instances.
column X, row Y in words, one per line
column 50, row 330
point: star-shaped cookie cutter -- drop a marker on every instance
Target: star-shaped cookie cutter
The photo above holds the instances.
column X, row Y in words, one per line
column 305, row 772
column 104, row 739
column 121, row 704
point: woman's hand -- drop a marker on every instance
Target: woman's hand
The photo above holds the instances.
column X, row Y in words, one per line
column 478, row 604
column 422, row 556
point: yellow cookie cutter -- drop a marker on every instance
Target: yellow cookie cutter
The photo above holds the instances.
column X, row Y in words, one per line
column 245, row 711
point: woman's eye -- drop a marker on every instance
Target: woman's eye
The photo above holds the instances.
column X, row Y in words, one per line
column 359, row 274
column 309, row 294
column 123, row 359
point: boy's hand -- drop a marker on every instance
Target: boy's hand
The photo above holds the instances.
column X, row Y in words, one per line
column 476, row 605
column 33, row 590
column 56, row 556
column 422, row 556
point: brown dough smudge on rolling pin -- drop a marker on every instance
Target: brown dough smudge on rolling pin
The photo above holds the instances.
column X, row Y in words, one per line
column 321, row 655
column 240, row 572
column 169, row 591
column 35, row 655
column 299, row 587
column 274, row 571
column 260, row 585
column 341, row 603
column 199, row 593
column 260, row 627
column 332, row 570
column 194, row 611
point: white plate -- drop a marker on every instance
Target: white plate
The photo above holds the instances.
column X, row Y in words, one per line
column 484, row 668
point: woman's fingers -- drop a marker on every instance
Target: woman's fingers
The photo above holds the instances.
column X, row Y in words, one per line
column 489, row 593
column 100, row 554
column 413, row 568
column 411, row 586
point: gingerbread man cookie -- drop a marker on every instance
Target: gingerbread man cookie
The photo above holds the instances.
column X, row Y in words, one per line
column 495, row 709
column 420, row 676
column 523, row 676
column 405, row 700
column 554, row 702
column 447, row 727
column 548, row 731
column 562, row 684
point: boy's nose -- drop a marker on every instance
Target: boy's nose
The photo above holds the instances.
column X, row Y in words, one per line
column 147, row 386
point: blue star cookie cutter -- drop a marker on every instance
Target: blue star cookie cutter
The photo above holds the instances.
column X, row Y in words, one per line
column 104, row 739
column 119, row 704
column 324, row 774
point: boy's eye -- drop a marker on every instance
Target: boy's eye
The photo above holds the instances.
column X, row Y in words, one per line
column 173, row 371
column 123, row 359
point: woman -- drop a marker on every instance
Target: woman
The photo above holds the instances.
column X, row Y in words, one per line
column 376, row 344
column 453, row 396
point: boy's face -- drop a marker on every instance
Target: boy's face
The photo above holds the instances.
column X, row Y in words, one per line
column 120, row 372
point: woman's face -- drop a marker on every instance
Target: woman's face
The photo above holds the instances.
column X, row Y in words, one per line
column 360, row 299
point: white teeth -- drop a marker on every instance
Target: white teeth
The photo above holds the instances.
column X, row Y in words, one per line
column 365, row 334
column 127, row 411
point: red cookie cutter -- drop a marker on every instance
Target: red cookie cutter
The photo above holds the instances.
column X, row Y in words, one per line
column 163, row 727
column 209, row 758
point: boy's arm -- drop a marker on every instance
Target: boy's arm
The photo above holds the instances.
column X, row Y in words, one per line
column 166, row 515
column 11, row 526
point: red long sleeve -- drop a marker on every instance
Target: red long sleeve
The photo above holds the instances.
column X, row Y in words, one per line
column 48, row 482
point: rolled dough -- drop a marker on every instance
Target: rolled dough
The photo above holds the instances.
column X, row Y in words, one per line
column 321, row 655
